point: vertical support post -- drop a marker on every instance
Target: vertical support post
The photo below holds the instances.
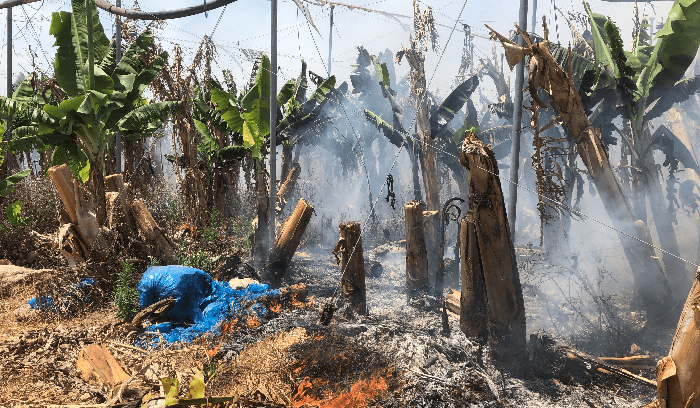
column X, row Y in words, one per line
column 118, row 57
column 330, row 44
column 9, row 57
column 4, row 168
column 273, row 120
column 515, row 135
column 91, row 52
column 534, row 16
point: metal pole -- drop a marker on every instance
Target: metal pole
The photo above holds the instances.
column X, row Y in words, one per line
column 118, row 56
column 330, row 44
column 515, row 135
column 9, row 68
column 273, row 119
column 534, row 16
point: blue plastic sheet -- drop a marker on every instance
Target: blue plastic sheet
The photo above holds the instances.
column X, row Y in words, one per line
column 201, row 303
column 76, row 291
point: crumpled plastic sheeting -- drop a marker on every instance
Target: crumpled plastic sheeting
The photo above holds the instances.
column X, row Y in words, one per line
column 76, row 291
column 201, row 303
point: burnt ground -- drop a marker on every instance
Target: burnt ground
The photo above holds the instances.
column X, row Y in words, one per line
column 396, row 356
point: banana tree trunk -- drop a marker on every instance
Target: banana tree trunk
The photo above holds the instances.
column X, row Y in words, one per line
column 651, row 289
column 675, row 268
column 97, row 182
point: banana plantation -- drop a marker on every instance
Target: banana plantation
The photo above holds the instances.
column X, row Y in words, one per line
column 186, row 226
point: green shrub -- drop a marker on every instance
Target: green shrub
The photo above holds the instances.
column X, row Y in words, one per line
column 125, row 296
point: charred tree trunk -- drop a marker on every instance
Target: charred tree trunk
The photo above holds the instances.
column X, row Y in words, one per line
column 286, row 188
column 416, row 253
column 434, row 246
column 352, row 265
column 497, row 253
column 678, row 374
column 413, row 157
column 289, row 237
column 652, row 291
column 472, row 302
column 286, row 167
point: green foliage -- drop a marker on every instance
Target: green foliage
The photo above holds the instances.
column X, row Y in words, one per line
column 625, row 76
column 246, row 117
column 242, row 229
column 255, row 110
column 125, row 296
column 83, row 125
column 7, row 185
column 154, row 261
column 195, row 396
column 14, row 215
column 198, row 259
column 210, row 233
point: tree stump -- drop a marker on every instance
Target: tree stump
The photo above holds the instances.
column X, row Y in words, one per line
column 678, row 374
column 434, row 245
column 285, row 190
column 289, row 237
column 352, row 265
column 82, row 237
column 502, row 282
column 472, row 302
column 416, row 252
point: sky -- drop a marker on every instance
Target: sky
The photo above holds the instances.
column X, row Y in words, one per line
column 245, row 25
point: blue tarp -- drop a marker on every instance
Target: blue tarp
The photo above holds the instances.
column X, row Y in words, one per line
column 76, row 291
column 201, row 303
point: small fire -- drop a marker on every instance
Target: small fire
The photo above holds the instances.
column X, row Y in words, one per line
column 253, row 322
column 297, row 304
column 275, row 306
column 230, row 326
column 360, row 395
column 212, row 352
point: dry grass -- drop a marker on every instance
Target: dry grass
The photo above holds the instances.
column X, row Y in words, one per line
column 261, row 368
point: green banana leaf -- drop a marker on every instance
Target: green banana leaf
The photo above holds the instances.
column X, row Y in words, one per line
column 395, row 137
column 256, row 110
column 675, row 48
column 7, row 185
column 452, row 104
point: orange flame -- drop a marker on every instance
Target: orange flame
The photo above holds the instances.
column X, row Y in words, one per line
column 253, row 322
column 360, row 395
column 211, row 352
column 275, row 306
column 293, row 300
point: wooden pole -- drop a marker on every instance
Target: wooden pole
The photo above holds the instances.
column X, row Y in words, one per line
column 352, row 265
column 289, row 237
column 503, row 291
column 472, row 302
column 416, row 253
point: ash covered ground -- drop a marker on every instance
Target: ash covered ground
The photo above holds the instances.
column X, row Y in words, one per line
column 396, row 356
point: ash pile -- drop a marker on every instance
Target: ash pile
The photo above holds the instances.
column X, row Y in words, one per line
column 403, row 349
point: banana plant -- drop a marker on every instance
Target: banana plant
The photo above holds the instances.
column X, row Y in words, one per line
column 102, row 97
column 646, row 81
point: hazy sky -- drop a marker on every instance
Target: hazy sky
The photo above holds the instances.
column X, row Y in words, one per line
column 245, row 24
